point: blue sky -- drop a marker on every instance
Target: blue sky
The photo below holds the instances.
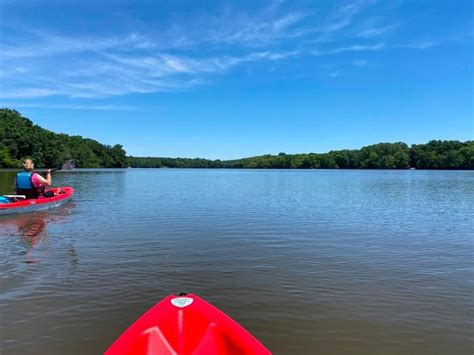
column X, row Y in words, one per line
column 228, row 79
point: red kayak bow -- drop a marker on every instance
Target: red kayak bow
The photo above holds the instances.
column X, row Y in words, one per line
column 185, row 324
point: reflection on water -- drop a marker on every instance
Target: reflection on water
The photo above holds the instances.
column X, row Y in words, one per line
column 31, row 229
column 7, row 182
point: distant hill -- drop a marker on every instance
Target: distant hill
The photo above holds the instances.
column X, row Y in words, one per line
column 20, row 138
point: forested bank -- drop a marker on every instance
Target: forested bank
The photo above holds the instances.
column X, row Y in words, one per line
column 20, row 138
column 433, row 155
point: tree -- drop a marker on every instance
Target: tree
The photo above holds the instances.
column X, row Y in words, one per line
column 20, row 138
column 5, row 160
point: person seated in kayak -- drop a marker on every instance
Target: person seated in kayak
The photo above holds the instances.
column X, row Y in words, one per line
column 29, row 183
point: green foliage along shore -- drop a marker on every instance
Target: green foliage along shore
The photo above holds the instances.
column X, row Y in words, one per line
column 433, row 155
column 20, row 138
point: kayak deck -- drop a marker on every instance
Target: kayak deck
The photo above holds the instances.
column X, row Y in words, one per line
column 61, row 196
column 185, row 325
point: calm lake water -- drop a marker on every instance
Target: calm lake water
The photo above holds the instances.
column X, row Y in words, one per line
column 311, row 262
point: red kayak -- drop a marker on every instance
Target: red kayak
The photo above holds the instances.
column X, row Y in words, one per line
column 61, row 196
column 185, row 324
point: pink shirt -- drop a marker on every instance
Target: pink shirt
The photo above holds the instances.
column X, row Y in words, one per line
column 34, row 180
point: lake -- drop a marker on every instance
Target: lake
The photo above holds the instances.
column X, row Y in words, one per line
column 309, row 261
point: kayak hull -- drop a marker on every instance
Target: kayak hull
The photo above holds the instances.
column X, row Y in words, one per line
column 185, row 325
column 62, row 196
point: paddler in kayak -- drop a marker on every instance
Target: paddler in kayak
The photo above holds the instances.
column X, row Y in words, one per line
column 29, row 183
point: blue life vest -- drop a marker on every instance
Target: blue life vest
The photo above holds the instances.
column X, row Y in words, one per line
column 23, row 181
column 24, row 185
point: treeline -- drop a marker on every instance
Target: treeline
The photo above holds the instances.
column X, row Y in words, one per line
column 433, row 155
column 152, row 162
column 20, row 138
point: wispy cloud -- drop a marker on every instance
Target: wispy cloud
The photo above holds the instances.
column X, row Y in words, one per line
column 122, row 74
column 49, row 44
column 424, row 44
column 375, row 31
column 352, row 48
column 344, row 15
column 183, row 54
column 256, row 31
column 118, row 64
column 69, row 106
column 30, row 92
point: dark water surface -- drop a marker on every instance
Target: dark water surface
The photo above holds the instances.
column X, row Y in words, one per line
column 311, row 262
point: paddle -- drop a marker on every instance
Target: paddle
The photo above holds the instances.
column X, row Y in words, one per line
column 43, row 171
column 67, row 165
